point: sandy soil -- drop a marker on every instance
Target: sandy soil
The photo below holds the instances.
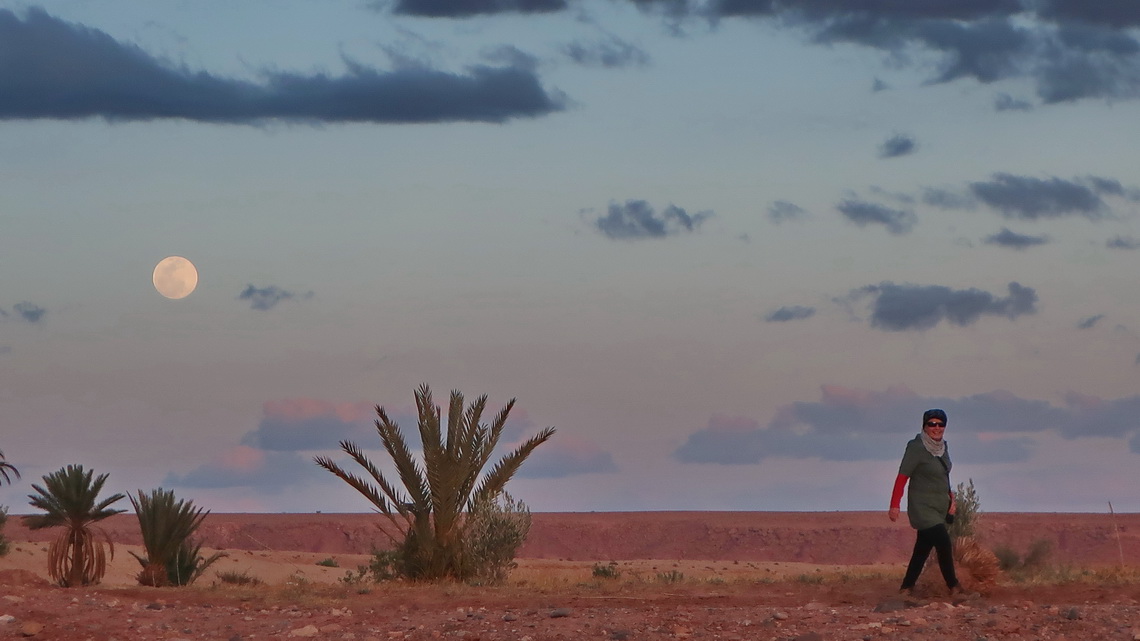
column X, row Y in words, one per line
column 803, row 576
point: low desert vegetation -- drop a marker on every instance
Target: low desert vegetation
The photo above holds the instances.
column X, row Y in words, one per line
column 328, row 563
column 70, row 500
column 3, row 521
column 243, row 578
column 608, row 571
column 455, row 520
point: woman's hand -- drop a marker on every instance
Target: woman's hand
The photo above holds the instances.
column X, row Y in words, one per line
column 953, row 505
column 893, row 514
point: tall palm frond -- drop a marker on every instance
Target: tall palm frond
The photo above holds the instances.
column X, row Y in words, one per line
column 70, row 499
column 6, row 468
column 442, row 489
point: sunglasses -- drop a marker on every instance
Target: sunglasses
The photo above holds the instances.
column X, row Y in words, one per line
column 935, row 424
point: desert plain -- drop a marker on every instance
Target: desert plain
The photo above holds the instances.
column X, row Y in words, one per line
column 679, row 575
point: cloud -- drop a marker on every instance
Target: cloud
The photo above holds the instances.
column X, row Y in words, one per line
column 309, row 424
column 849, row 424
column 909, row 307
column 57, row 70
column 567, row 456
column 782, row 210
column 245, row 466
column 864, row 213
column 27, row 312
column 795, row 312
column 1028, row 198
column 1110, row 13
column 1013, row 240
column 468, row 8
column 610, row 53
column 1123, row 242
column 266, row 298
column 1006, row 102
column 636, row 220
column 947, row 199
column 1071, row 50
column 1088, row 323
column 897, row 145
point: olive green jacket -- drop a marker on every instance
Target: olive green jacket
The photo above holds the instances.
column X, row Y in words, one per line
column 928, row 494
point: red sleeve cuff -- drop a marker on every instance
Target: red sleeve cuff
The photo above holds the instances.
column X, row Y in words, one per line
column 896, row 494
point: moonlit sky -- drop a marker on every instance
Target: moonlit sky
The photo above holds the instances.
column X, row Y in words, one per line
column 731, row 250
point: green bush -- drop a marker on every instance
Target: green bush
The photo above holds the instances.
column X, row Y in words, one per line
column 672, row 576
column 967, row 511
column 3, row 520
column 328, row 563
column 1008, row 558
column 1034, row 562
column 172, row 558
column 494, row 532
column 607, row 571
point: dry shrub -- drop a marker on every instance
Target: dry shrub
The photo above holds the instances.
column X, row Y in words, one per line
column 976, row 565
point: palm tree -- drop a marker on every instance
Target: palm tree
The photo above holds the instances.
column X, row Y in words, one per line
column 449, row 483
column 76, row 557
column 167, row 525
column 6, row 467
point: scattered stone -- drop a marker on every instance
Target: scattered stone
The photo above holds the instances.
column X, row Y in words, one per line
column 619, row 635
column 307, row 631
column 559, row 613
column 31, row 629
column 5, row 619
column 891, row 605
column 810, row 636
column 510, row 617
column 1072, row 614
column 780, row 616
column 154, row 606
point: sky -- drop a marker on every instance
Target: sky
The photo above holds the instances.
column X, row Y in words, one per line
column 729, row 249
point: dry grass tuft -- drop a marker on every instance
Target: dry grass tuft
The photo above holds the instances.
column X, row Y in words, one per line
column 978, row 564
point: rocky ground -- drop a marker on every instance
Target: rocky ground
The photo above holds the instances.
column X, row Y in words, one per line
column 819, row 607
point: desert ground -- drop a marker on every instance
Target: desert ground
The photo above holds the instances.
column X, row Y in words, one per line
column 680, row 575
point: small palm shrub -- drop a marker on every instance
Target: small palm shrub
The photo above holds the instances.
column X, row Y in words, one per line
column 167, row 525
column 233, row 577
column 438, row 493
column 70, row 500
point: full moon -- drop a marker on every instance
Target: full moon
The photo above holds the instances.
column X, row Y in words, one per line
column 175, row 277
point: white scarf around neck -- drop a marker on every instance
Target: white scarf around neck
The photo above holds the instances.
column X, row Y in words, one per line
column 936, row 448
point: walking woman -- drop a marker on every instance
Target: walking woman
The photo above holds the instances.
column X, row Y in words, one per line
column 930, row 500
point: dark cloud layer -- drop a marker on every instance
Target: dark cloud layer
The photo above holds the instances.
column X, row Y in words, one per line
column 1014, row 240
column 1029, row 198
column 908, row 307
column 794, row 312
column 897, row 145
column 272, row 472
column 51, row 69
column 468, row 8
column 862, row 213
column 636, row 219
column 1070, row 49
column 851, row 424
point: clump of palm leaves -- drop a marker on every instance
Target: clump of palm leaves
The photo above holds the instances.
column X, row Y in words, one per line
column 167, row 525
column 69, row 498
column 7, row 468
column 431, row 511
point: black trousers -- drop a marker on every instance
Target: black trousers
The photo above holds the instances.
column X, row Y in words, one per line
column 936, row 538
